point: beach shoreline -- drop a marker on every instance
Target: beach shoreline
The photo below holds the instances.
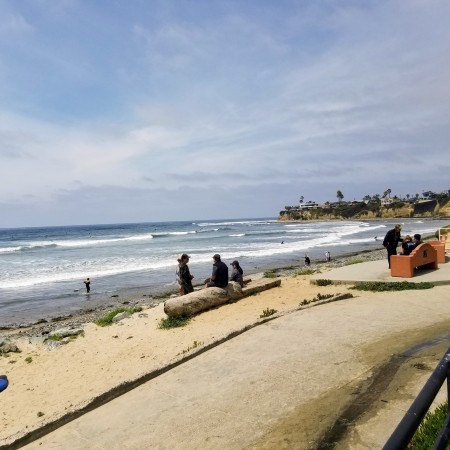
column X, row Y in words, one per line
column 140, row 297
column 137, row 262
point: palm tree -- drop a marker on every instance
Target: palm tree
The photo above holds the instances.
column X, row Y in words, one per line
column 339, row 195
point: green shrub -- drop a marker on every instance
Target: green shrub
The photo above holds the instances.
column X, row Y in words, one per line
column 318, row 297
column 107, row 319
column 353, row 261
column 379, row 286
column 322, row 282
column 428, row 430
column 270, row 274
column 173, row 322
column 28, row 359
column 268, row 312
column 307, row 271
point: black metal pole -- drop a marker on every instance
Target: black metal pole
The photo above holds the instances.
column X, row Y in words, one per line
column 407, row 427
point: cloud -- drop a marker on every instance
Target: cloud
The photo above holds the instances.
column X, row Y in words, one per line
column 225, row 97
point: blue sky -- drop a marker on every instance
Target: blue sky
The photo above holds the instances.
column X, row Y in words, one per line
column 129, row 111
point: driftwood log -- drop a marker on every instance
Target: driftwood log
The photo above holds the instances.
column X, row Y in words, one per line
column 197, row 301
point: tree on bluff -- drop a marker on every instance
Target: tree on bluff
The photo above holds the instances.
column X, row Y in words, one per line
column 339, row 195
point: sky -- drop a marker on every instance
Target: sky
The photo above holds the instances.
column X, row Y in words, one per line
column 145, row 111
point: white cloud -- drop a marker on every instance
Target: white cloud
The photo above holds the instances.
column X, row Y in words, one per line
column 142, row 102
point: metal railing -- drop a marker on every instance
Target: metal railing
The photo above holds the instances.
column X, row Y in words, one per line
column 405, row 430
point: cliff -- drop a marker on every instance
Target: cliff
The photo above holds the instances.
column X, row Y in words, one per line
column 430, row 208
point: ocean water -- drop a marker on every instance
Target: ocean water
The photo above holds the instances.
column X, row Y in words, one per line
column 42, row 269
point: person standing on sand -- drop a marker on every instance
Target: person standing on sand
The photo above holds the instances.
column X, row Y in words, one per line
column 328, row 256
column 391, row 241
column 307, row 260
column 87, row 283
column 184, row 275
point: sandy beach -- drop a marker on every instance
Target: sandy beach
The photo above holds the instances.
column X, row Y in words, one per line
column 47, row 384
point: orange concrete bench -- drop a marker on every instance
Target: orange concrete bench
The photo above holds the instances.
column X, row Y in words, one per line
column 439, row 246
column 423, row 256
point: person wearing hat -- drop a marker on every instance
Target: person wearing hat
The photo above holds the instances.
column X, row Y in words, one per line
column 391, row 241
column 219, row 276
column 237, row 273
column 184, row 276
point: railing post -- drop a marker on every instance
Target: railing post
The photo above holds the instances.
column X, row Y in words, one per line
column 444, row 434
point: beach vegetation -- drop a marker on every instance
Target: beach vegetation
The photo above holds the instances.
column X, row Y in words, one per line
column 353, row 261
column 270, row 274
column 13, row 361
column 317, row 298
column 323, row 282
column 108, row 318
column 195, row 344
column 173, row 322
column 268, row 312
column 320, row 296
column 40, row 414
column 307, row 271
column 428, row 431
column 28, row 359
column 55, row 338
column 379, row 286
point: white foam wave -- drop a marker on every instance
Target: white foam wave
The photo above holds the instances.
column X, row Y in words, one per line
column 237, row 235
column 10, row 249
column 245, row 222
column 95, row 269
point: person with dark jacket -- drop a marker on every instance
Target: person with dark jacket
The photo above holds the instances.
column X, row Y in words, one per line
column 219, row 276
column 391, row 241
column 417, row 240
column 237, row 273
column 87, row 283
column 184, row 275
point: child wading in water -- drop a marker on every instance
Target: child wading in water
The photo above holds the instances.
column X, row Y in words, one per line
column 87, row 283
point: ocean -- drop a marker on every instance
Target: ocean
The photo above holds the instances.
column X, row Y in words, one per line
column 42, row 269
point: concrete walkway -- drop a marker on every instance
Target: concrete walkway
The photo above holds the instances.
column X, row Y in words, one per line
column 379, row 271
column 279, row 385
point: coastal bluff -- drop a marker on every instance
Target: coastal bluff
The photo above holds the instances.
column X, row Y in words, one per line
column 363, row 211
